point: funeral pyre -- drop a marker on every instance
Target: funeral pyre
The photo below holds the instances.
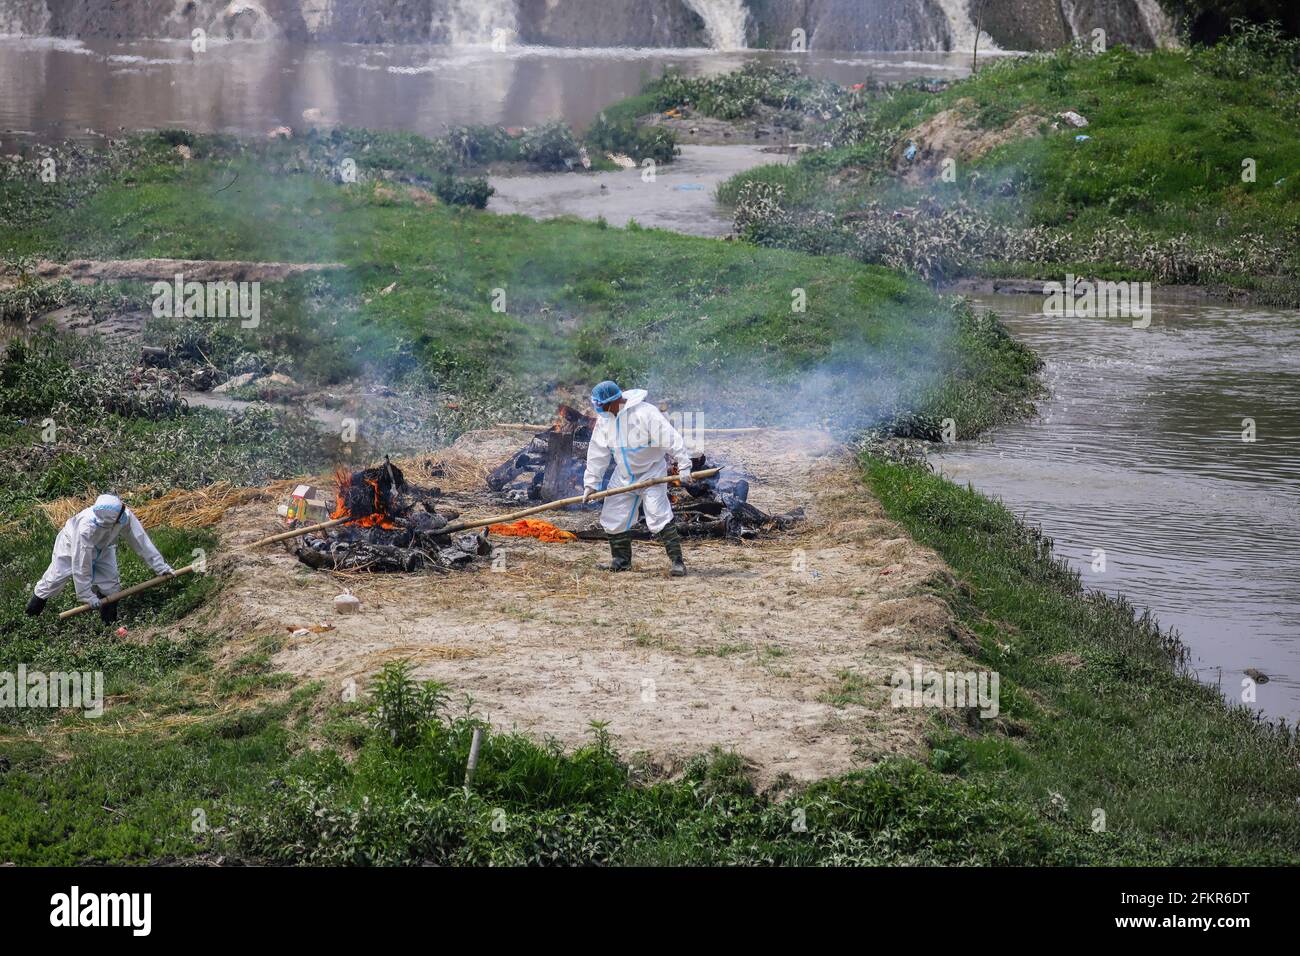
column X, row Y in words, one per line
column 552, row 464
column 394, row 526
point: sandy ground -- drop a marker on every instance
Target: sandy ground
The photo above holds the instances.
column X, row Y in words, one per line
column 680, row 198
column 780, row 649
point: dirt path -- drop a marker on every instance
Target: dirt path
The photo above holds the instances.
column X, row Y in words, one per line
column 780, row 649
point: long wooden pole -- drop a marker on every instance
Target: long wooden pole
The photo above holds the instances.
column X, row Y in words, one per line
column 134, row 589
column 299, row 532
column 520, row 427
column 449, row 529
column 577, row 499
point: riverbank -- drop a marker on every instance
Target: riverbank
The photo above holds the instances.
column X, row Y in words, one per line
column 1040, row 166
column 208, row 715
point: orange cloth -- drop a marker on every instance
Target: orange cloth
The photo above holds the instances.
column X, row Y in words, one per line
column 532, row 528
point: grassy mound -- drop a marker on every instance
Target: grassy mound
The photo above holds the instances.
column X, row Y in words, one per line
column 1185, row 171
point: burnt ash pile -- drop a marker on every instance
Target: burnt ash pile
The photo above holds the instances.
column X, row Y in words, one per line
column 394, row 526
column 551, row 465
column 714, row 507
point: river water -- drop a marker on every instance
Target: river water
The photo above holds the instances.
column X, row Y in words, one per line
column 52, row 89
column 1139, row 452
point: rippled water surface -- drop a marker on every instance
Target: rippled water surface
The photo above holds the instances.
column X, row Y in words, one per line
column 1139, row 451
column 52, row 89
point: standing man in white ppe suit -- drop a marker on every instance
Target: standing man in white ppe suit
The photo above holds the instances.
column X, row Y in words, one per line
column 86, row 552
column 636, row 437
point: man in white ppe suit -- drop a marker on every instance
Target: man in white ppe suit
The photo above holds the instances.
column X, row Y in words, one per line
column 86, row 552
column 635, row 436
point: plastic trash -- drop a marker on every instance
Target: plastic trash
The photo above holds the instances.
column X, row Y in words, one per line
column 688, row 187
column 347, row 604
column 1081, row 137
column 909, row 154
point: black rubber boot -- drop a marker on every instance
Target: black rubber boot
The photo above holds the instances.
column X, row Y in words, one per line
column 672, row 540
column 35, row 605
column 108, row 613
column 620, row 546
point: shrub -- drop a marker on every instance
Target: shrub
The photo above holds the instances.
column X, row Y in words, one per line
column 551, row 146
column 464, row 192
column 624, row 136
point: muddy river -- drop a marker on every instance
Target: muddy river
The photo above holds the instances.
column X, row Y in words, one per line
column 54, row 88
column 1143, row 451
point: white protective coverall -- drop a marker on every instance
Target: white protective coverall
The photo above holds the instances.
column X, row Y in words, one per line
column 86, row 551
column 637, row 439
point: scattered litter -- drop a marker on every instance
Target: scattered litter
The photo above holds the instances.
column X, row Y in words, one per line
column 387, row 289
column 1076, row 120
column 1081, row 138
column 239, row 381
column 307, row 505
column 279, row 132
column 909, row 154
column 312, row 115
column 584, row 157
column 121, row 632
column 347, row 604
column 298, row 630
column 621, row 160
column 688, row 187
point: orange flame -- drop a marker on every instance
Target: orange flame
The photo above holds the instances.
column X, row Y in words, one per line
column 378, row 518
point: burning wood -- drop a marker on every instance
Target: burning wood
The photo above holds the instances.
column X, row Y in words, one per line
column 390, row 525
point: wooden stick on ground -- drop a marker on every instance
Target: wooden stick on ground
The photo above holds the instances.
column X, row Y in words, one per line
column 299, row 532
column 520, row 426
column 134, row 589
column 449, row 529
column 577, row 499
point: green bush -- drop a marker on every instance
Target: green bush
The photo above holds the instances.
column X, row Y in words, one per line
column 551, row 146
column 638, row 142
column 464, row 192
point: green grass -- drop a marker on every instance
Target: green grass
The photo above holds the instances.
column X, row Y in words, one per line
column 1101, row 714
column 505, row 306
column 1156, row 191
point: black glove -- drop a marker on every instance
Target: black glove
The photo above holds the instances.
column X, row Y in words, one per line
column 108, row 613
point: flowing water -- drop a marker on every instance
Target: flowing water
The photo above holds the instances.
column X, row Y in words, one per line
column 1139, row 452
column 482, row 21
column 724, row 22
column 52, row 89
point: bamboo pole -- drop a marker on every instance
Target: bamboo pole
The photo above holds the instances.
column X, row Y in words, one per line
column 449, row 529
column 299, row 532
column 519, row 426
column 577, row 499
column 134, row 589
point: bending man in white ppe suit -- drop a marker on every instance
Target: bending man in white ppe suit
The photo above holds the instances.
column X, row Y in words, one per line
column 635, row 436
column 86, row 552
